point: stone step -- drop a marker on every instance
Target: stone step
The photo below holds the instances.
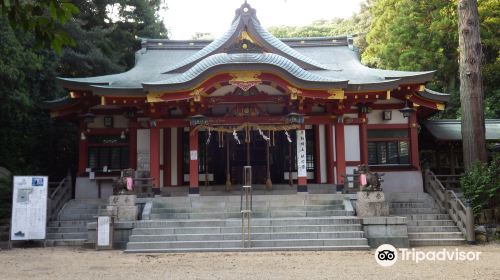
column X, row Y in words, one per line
column 433, row 229
column 254, row 208
column 66, row 229
column 257, row 249
column 74, row 211
column 77, row 217
column 435, row 235
column 255, row 222
column 254, row 243
column 406, row 204
column 412, row 223
column 238, row 236
column 403, row 211
column 414, row 217
column 65, row 242
column 436, row 242
column 236, row 215
column 255, row 229
column 236, row 204
column 68, row 235
column 78, row 223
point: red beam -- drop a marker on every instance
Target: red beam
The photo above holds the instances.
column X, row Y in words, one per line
column 180, row 156
column 415, row 162
column 363, row 138
column 317, row 154
column 193, row 162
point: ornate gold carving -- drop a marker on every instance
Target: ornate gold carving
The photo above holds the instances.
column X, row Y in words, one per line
column 197, row 94
column 245, row 36
column 294, row 92
column 388, row 95
column 72, row 94
column 440, row 106
column 154, row 97
column 336, row 93
column 245, row 79
column 421, row 88
column 103, row 100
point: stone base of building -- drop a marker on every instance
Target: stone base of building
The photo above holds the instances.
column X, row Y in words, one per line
column 386, row 230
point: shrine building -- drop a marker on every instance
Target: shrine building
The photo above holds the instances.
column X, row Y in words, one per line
column 300, row 111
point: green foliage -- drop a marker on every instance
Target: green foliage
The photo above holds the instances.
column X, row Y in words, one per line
column 422, row 35
column 358, row 24
column 30, row 141
column 42, row 18
column 482, row 184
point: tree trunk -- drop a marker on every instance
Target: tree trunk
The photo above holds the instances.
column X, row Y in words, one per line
column 471, row 85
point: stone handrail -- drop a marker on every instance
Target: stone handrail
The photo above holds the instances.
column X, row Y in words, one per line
column 448, row 200
column 59, row 197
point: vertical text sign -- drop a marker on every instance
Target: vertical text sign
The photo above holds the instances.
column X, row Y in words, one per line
column 301, row 153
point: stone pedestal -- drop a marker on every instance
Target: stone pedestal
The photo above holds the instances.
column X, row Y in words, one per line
column 123, row 207
column 371, row 204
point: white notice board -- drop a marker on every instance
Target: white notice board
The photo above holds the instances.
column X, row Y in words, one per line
column 104, row 232
column 29, row 208
column 301, row 153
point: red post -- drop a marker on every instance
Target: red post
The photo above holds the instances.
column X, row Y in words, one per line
column 82, row 152
column 193, row 162
column 154, row 156
column 317, row 152
column 167, row 154
column 340, row 152
column 180, row 157
column 329, row 153
column 412, row 122
column 132, row 147
column 363, row 138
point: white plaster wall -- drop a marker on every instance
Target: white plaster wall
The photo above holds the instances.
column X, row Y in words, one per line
column 375, row 117
column 403, row 182
column 322, row 153
column 143, row 149
column 351, row 140
column 174, row 150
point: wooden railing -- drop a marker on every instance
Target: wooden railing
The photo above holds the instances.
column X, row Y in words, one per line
column 58, row 197
column 449, row 201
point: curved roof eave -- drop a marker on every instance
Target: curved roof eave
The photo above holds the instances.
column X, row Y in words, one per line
column 374, row 86
column 245, row 62
column 435, row 95
column 410, row 77
column 80, row 83
column 58, row 103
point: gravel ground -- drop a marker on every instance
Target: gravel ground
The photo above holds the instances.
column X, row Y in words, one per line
column 67, row 263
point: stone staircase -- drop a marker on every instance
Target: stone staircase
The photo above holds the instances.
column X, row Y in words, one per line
column 70, row 229
column 427, row 224
column 279, row 222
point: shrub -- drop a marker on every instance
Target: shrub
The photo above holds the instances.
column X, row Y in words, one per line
column 482, row 184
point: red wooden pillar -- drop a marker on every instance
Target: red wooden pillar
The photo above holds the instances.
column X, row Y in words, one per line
column 154, row 156
column 329, row 153
column 301, row 160
column 193, row 162
column 363, row 138
column 340, row 152
column 412, row 122
column 82, row 152
column 180, row 156
column 132, row 146
column 317, row 152
column 167, row 154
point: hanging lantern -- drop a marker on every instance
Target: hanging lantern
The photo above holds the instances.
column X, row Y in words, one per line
column 294, row 118
column 89, row 117
column 406, row 111
column 198, row 120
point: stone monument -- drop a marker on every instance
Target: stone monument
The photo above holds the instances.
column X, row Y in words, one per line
column 123, row 207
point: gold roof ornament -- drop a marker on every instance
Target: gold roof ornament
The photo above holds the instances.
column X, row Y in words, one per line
column 245, row 80
column 294, row 92
column 336, row 93
column 197, row 94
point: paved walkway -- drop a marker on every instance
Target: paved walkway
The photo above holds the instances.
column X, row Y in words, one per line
column 64, row 263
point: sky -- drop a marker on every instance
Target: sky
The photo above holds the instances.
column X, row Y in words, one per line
column 184, row 18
